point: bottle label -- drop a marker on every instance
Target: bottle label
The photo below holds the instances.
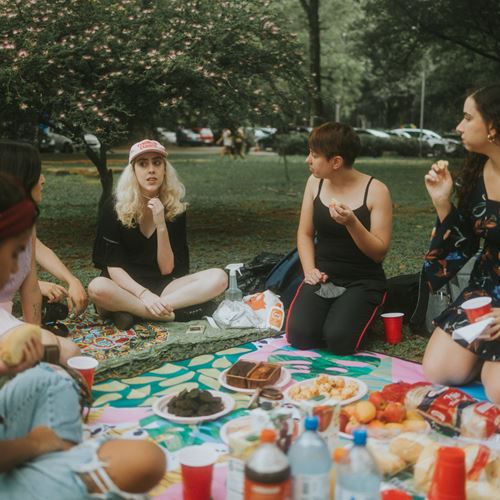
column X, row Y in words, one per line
column 347, row 494
column 311, row 486
column 261, row 491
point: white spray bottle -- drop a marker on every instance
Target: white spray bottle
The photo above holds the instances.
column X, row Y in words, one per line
column 233, row 293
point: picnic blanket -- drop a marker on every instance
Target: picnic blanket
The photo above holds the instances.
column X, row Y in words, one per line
column 123, row 407
column 126, row 353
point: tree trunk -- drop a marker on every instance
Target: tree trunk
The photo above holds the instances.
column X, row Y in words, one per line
column 105, row 174
column 311, row 8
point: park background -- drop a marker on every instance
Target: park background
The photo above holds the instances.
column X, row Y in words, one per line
column 120, row 69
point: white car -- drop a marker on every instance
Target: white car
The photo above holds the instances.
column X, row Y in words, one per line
column 435, row 141
column 62, row 143
column 92, row 142
column 166, row 136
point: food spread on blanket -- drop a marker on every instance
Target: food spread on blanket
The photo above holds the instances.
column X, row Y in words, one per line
column 194, row 403
column 324, row 386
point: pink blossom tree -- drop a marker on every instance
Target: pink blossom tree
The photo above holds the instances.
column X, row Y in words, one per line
column 112, row 67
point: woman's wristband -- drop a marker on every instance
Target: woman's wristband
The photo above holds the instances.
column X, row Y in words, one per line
column 144, row 290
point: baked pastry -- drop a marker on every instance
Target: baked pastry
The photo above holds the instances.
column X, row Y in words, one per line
column 481, row 490
column 264, row 374
column 238, row 373
column 388, row 463
column 409, row 445
column 13, row 342
column 424, row 468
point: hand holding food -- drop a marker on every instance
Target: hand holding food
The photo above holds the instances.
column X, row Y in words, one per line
column 14, row 342
column 439, row 182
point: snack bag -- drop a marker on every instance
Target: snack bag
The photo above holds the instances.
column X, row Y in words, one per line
column 268, row 307
column 454, row 409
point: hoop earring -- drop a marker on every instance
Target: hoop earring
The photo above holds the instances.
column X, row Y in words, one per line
column 491, row 138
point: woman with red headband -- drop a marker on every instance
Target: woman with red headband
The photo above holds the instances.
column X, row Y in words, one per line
column 41, row 449
column 23, row 163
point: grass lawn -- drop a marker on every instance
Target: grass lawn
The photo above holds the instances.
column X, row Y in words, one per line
column 237, row 209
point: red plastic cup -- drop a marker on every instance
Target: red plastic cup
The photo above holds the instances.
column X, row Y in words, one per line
column 86, row 366
column 393, row 324
column 475, row 308
column 448, row 482
column 197, row 465
column 395, row 495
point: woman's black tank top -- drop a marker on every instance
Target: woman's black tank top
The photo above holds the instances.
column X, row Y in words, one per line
column 336, row 252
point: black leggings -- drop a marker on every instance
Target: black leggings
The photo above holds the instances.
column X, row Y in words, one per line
column 339, row 323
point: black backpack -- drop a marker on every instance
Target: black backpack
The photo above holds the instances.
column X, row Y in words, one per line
column 285, row 277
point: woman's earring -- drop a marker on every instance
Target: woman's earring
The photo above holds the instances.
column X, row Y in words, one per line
column 491, row 138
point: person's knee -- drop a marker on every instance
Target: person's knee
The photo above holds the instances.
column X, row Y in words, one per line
column 340, row 342
column 218, row 278
column 491, row 385
column 300, row 338
column 99, row 291
column 138, row 474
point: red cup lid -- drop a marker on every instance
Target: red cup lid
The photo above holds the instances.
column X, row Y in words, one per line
column 395, row 495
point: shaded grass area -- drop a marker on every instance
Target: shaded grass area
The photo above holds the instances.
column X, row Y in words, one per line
column 237, row 209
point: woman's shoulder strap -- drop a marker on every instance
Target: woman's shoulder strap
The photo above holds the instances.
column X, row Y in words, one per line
column 366, row 190
column 319, row 187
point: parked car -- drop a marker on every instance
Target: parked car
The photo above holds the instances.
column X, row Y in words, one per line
column 206, row 135
column 92, row 142
column 455, row 146
column 188, row 137
column 62, row 144
column 437, row 144
column 46, row 144
column 166, row 136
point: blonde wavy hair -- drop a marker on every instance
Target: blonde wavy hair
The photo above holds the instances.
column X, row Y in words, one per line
column 128, row 198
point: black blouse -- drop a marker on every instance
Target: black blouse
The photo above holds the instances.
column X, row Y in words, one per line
column 119, row 246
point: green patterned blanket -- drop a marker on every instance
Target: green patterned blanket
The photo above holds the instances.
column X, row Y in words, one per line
column 127, row 353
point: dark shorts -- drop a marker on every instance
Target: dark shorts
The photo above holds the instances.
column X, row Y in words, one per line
column 154, row 284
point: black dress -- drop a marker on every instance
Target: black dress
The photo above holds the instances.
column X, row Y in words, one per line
column 119, row 246
column 454, row 242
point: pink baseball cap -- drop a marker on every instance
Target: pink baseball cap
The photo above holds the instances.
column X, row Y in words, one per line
column 146, row 146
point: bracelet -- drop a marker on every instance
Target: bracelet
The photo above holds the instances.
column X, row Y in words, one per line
column 144, row 290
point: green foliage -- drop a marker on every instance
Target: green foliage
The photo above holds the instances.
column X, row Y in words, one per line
column 111, row 66
column 291, row 144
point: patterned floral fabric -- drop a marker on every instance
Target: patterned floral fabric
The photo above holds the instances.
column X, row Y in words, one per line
column 454, row 242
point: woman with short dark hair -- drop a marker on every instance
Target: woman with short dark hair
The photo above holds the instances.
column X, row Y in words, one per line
column 343, row 236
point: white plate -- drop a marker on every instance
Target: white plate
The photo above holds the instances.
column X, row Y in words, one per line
column 285, row 377
column 381, row 434
column 362, row 390
column 160, row 408
column 236, row 425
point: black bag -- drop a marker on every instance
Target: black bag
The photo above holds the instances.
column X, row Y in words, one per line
column 402, row 295
column 254, row 273
column 285, row 277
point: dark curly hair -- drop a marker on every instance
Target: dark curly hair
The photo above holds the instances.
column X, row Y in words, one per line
column 487, row 100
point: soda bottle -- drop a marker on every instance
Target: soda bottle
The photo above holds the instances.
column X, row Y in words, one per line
column 358, row 477
column 311, row 463
column 267, row 471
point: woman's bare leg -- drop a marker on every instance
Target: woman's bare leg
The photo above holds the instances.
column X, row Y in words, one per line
column 447, row 363
column 109, row 297
column 490, row 376
column 195, row 288
column 67, row 348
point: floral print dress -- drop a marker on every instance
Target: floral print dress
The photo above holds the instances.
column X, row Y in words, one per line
column 454, row 242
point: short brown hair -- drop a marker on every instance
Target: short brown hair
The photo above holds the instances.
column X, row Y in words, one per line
column 335, row 139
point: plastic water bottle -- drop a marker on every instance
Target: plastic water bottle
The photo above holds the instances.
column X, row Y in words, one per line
column 358, row 477
column 311, row 463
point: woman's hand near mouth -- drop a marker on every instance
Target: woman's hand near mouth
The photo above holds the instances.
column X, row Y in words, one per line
column 158, row 211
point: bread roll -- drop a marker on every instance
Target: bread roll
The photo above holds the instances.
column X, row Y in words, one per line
column 388, row 462
column 481, row 490
column 409, row 445
column 424, row 468
column 12, row 343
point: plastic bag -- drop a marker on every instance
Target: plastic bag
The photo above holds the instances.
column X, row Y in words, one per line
column 260, row 310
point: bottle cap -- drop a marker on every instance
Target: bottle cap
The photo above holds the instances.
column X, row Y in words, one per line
column 395, row 495
column 359, row 437
column 311, row 423
column 267, row 436
column 339, row 454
